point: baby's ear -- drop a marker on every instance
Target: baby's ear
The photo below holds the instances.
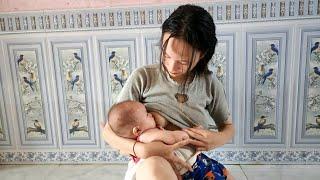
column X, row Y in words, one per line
column 136, row 131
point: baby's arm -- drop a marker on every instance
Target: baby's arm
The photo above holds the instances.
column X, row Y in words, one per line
column 168, row 137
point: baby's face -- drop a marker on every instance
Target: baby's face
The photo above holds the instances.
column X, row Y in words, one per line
column 146, row 119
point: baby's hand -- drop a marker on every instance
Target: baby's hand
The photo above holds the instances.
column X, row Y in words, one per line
column 175, row 136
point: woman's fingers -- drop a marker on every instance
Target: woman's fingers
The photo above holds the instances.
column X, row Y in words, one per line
column 193, row 134
column 180, row 144
column 197, row 143
column 197, row 130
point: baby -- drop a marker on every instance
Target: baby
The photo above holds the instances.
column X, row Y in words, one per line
column 130, row 119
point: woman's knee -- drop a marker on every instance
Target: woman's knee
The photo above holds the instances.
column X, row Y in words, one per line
column 155, row 162
column 156, row 167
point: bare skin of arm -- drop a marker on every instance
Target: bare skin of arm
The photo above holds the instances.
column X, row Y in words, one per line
column 144, row 150
column 168, row 137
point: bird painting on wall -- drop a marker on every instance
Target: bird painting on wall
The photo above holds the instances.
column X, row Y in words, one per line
column 75, row 126
column 20, row 59
column 316, row 70
column 316, row 46
column 74, row 81
column 274, row 48
column 315, row 126
column 37, row 127
column 262, row 124
column 112, row 55
column 220, row 73
column 77, row 57
column 266, row 75
column 117, row 78
column 29, row 83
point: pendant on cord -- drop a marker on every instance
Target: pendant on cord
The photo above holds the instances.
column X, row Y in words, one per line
column 181, row 98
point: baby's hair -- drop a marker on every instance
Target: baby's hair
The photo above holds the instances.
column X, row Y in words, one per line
column 121, row 118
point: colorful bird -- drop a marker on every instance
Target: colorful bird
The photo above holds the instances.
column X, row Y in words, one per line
column 74, row 81
column 219, row 72
column 316, row 70
column 29, row 82
column 274, row 48
column 316, row 46
column 76, row 56
column 32, row 76
column 318, row 119
column 261, row 70
column 113, row 53
column 38, row 127
column 20, row 59
column 266, row 75
column 75, row 125
column 69, row 76
column 116, row 77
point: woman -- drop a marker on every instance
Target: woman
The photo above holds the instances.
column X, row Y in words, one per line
column 182, row 90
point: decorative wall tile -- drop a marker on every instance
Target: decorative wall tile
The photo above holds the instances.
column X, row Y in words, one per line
column 308, row 114
column 264, row 94
column 222, row 12
column 74, row 83
column 222, row 65
column 27, row 68
column 243, row 157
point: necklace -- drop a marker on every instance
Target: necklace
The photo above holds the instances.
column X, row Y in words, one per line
column 181, row 98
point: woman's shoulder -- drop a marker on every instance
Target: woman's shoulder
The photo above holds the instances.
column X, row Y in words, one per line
column 211, row 80
column 147, row 70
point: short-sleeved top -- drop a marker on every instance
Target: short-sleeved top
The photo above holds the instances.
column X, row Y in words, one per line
column 206, row 104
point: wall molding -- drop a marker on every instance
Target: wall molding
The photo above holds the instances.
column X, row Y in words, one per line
column 226, row 157
column 153, row 16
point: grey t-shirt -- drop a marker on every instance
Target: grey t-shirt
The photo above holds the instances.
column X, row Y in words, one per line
column 206, row 105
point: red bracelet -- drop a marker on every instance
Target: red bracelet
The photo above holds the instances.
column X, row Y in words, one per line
column 134, row 153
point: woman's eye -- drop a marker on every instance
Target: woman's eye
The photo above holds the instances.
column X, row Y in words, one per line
column 184, row 62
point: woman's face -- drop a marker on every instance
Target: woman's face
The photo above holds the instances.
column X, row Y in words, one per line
column 177, row 57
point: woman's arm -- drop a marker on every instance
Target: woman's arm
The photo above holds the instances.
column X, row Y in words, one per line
column 124, row 145
column 144, row 150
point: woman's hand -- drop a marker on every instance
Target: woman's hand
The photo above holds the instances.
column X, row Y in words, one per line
column 205, row 140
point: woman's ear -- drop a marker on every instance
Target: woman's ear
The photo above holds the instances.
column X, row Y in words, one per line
column 202, row 54
column 136, row 131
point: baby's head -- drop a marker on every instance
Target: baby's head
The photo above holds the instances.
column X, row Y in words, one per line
column 129, row 119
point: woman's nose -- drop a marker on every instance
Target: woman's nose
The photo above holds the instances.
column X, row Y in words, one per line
column 174, row 67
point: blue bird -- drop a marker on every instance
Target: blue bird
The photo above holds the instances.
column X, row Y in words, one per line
column 20, row 59
column 316, row 46
column 316, row 70
column 76, row 56
column 274, row 49
column 29, row 82
column 116, row 77
column 113, row 53
column 74, row 81
column 266, row 75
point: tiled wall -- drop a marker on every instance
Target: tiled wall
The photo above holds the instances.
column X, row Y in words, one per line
column 61, row 70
